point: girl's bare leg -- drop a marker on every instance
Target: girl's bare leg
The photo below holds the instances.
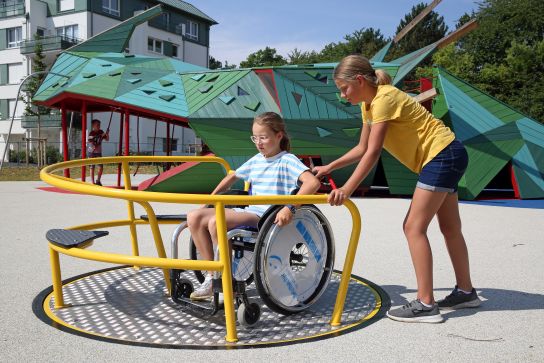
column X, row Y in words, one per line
column 203, row 227
column 450, row 226
column 425, row 204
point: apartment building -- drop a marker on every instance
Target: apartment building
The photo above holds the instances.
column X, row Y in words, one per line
column 182, row 31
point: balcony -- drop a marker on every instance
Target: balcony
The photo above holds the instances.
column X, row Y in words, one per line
column 52, row 43
column 12, row 8
column 46, row 121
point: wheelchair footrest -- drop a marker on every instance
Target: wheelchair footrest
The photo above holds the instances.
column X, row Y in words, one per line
column 72, row 238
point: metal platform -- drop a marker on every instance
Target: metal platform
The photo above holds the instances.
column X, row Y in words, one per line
column 129, row 306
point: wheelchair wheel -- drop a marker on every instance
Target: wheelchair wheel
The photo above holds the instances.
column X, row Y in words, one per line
column 294, row 263
column 248, row 316
column 181, row 287
column 239, row 265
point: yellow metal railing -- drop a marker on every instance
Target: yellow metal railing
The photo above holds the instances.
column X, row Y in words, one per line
column 144, row 198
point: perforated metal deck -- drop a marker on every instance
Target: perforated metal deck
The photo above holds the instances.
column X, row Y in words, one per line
column 130, row 306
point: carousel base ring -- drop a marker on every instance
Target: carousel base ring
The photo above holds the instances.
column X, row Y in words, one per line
column 128, row 306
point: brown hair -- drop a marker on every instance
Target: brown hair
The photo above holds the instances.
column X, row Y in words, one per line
column 275, row 123
column 353, row 65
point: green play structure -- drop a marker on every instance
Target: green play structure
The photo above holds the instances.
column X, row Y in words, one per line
column 219, row 105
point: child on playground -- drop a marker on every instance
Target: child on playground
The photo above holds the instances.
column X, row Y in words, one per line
column 395, row 121
column 273, row 171
column 94, row 147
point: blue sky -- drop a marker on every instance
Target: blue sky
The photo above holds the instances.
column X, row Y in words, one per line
column 246, row 26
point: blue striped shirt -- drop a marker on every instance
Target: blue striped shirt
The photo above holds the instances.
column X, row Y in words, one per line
column 277, row 175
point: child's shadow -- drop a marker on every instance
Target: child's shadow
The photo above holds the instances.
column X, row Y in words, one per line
column 492, row 299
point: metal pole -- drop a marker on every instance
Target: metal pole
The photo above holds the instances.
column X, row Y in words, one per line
column 64, row 138
column 83, row 138
column 15, row 108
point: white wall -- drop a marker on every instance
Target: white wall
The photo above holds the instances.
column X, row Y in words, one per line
column 79, row 19
column 38, row 16
column 195, row 54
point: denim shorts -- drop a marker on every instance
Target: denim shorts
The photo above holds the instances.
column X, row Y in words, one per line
column 443, row 172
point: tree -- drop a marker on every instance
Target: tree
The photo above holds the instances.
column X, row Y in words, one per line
column 263, row 57
column 505, row 55
column 32, row 85
column 38, row 65
column 430, row 29
column 364, row 41
column 214, row 63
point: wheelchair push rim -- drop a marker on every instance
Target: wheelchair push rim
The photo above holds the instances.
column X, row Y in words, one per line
column 294, row 263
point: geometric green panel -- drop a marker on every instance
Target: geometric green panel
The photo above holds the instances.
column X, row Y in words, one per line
column 322, row 132
column 167, row 97
column 217, row 106
column 528, row 166
column 486, row 160
column 213, row 77
column 400, row 179
column 352, row 132
column 165, row 83
column 253, row 106
column 227, row 99
column 206, row 88
column 198, row 77
column 130, row 84
column 297, row 97
column 196, row 99
column 116, row 39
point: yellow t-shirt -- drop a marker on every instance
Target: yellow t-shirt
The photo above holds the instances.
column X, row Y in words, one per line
column 414, row 136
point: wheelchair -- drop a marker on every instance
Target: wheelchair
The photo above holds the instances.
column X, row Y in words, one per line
column 291, row 265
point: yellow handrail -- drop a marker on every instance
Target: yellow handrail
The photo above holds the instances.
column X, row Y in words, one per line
column 144, row 198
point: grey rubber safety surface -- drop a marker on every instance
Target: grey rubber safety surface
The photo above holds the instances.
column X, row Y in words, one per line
column 128, row 305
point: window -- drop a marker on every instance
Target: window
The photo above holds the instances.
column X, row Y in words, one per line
column 192, row 31
column 174, row 50
column 173, row 144
column 15, row 36
column 16, row 72
column 154, row 45
column 40, row 32
column 165, row 20
column 111, row 7
column 66, row 5
column 11, row 106
column 69, row 31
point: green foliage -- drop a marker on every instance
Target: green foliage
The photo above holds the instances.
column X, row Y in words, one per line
column 430, row 29
column 263, row 57
column 505, row 55
column 363, row 41
column 33, row 83
column 214, row 63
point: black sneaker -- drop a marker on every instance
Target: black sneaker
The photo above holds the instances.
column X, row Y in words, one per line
column 459, row 300
column 416, row 312
column 98, row 183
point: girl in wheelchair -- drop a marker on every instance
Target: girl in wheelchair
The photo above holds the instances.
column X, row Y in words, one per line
column 273, row 171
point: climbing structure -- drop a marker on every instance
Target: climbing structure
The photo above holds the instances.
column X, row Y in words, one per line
column 219, row 105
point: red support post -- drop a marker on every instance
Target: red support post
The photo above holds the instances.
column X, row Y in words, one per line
column 64, row 138
column 120, row 149
column 83, row 138
column 127, row 132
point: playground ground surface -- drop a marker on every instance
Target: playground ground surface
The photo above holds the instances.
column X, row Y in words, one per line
column 505, row 240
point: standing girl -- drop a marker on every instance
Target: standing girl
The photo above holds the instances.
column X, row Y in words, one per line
column 273, row 171
column 395, row 121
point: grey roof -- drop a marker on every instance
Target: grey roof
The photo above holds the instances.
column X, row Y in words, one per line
column 188, row 8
